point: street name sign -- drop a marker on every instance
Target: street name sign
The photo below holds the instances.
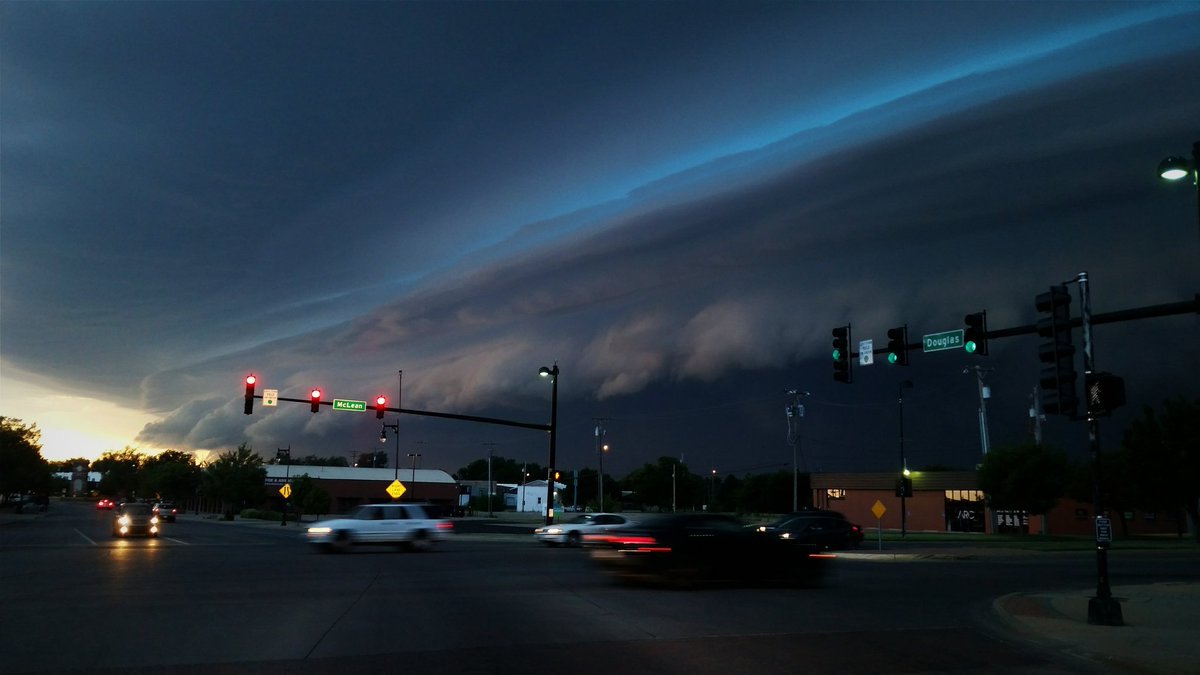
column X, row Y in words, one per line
column 866, row 352
column 936, row 342
column 270, row 397
column 354, row 406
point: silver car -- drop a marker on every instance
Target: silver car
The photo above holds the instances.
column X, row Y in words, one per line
column 407, row 525
column 571, row 532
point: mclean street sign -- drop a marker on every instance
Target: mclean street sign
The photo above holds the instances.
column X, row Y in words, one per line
column 355, row 406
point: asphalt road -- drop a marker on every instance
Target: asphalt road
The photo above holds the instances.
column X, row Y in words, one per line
column 210, row 596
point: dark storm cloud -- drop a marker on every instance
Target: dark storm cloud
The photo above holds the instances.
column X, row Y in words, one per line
column 468, row 192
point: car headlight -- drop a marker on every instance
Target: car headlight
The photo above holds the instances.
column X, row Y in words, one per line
column 319, row 530
column 786, row 535
column 554, row 530
column 124, row 520
column 154, row 520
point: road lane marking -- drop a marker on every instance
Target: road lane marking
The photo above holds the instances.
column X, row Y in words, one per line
column 87, row 538
column 177, row 541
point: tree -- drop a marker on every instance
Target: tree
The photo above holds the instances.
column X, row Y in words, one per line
column 68, row 465
column 503, row 471
column 1164, row 452
column 772, row 493
column 1027, row 477
column 311, row 498
column 170, row 474
column 22, row 468
column 235, row 479
column 119, row 471
column 653, row 485
column 313, row 460
column 377, row 459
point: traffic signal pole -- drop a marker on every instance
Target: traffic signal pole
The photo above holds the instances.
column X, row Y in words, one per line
column 1103, row 610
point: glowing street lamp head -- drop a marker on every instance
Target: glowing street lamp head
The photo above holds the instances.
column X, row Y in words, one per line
column 1174, row 168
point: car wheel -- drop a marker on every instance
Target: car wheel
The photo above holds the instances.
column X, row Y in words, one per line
column 572, row 539
column 342, row 541
column 420, row 541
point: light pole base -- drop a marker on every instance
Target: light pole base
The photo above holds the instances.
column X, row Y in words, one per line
column 1105, row 612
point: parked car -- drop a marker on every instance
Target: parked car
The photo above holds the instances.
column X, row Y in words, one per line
column 135, row 518
column 166, row 511
column 571, row 532
column 106, row 504
column 828, row 530
column 32, row 504
column 407, row 525
column 686, row 550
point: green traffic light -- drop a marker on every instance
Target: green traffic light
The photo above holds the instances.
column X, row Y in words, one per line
column 837, row 355
column 970, row 346
column 892, row 358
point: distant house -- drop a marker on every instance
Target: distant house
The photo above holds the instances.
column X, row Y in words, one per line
column 530, row 497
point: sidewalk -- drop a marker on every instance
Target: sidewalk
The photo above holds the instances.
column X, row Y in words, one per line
column 1159, row 634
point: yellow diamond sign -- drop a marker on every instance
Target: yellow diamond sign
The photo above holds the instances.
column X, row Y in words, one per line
column 286, row 490
column 879, row 509
column 396, row 489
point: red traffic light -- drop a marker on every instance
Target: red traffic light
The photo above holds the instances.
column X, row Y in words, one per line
column 248, row 408
column 315, row 399
column 380, row 406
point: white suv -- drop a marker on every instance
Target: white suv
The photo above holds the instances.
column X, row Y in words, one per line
column 406, row 525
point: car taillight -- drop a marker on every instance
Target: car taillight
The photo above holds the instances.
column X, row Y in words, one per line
column 445, row 525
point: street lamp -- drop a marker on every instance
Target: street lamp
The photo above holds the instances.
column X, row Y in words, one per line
column 906, row 384
column 552, row 373
column 1178, row 168
column 414, row 456
column 794, row 412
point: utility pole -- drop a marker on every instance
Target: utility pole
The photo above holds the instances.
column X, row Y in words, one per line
column 906, row 384
column 984, row 394
column 795, row 411
column 1035, row 414
column 600, row 431
column 489, row 446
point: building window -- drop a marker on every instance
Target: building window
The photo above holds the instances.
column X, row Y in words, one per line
column 965, row 495
column 835, row 493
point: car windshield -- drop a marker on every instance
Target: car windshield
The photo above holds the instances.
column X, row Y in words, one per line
column 583, row 520
column 136, row 509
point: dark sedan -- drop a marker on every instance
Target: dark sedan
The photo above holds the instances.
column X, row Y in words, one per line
column 693, row 549
column 135, row 518
column 827, row 530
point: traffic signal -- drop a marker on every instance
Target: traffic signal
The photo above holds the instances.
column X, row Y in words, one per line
column 898, row 345
column 314, row 399
column 250, row 381
column 975, row 334
column 841, row 354
column 1057, row 349
column 380, row 406
column 904, row 486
